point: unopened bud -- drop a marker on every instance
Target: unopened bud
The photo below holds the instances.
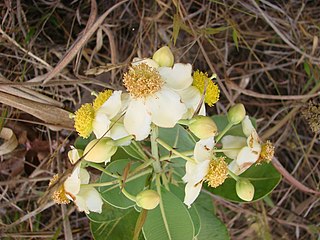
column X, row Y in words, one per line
column 245, row 190
column 203, row 127
column 100, row 150
column 148, row 199
column 74, row 155
column 164, row 57
column 236, row 113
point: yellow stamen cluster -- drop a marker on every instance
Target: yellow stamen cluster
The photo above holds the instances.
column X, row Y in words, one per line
column 312, row 115
column 267, row 152
column 142, row 81
column 207, row 87
column 217, row 173
column 59, row 195
column 83, row 119
column 101, row 98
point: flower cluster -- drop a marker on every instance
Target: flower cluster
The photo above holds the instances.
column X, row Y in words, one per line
column 160, row 94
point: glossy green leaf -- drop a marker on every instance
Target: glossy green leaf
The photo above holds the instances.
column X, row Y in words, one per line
column 112, row 194
column 132, row 151
column 81, row 143
column 113, row 223
column 263, row 177
column 169, row 221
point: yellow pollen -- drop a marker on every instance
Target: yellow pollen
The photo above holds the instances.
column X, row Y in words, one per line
column 59, row 195
column 101, row 98
column 217, row 173
column 267, row 152
column 142, row 81
column 207, row 87
column 83, row 119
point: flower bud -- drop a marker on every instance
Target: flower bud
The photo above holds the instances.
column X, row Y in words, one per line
column 245, row 190
column 164, row 57
column 236, row 113
column 203, row 127
column 100, row 150
column 74, row 155
column 148, row 199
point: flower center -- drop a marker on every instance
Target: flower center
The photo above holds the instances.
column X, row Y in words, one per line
column 207, row 87
column 83, row 119
column 101, row 98
column 59, row 195
column 142, row 81
column 267, row 152
column 217, row 173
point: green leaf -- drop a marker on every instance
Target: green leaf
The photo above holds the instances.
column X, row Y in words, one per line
column 176, row 27
column 211, row 226
column 132, row 151
column 306, row 67
column 235, row 38
column 81, row 143
column 113, row 223
column 169, row 221
column 112, row 194
column 264, row 178
column 212, row 31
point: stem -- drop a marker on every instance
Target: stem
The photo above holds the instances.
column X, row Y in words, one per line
column 98, row 167
column 235, row 177
column 226, row 129
column 154, row 148
column 169, row 148
column 120, row 141
column 138, row 147
column 172, row 156
column 128, row 195
column 226, row 149
column 184, row 122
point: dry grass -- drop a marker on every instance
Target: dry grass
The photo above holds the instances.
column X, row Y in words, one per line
column 266, row 54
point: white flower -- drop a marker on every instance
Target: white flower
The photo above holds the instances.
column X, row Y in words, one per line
column 246, row 151
column 196, row 172
column 87, row 198
column 153, row 99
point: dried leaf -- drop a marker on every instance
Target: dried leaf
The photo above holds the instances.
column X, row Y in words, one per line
column 10, row 141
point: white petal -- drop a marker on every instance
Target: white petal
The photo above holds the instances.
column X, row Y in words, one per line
column 89, row 200
column 165, row 108
column 84, row 176
column 148, row 61
column 112, row 106
column 178, row 77
column 203, row 149
column 137, row 120
column 195, row 172
column 101, row 124
column 191, row 97
column 233, row 167
column 233, row 142
column 253, row 142
column 247, row 126
column 246, row 158
column 118, row 131
column 192, row 191
column 72, row 183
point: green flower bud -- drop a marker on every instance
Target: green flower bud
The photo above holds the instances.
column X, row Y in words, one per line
column 100, row 150
column 148, row 199
column 236, row 113
column 164, row 57
column 203, row 127
column 245, row 189
column 74, row 155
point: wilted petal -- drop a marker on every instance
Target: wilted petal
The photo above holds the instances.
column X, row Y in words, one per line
column 233, row 142
column 178, row 77
column 247, row 126
column 137, row 120
column 246, row 158
column 165, row 108
column 148, row 61
column 192, row 191
column 203, row 149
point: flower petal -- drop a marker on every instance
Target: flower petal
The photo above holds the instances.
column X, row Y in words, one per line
column 84, row 176
column 89, row 200
column 178, row 77
column 246, row 158
column 165, row 107
column 151, row 63
column 195, row 172
column 191, row 97
column 112, row 106
column 233, row 142
column 73, row 182
column 192, row 191
column 101, row 124
column 203, row 149
column 118, row 131
column 233, row 167
column 137, row 120
column 247, row 126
